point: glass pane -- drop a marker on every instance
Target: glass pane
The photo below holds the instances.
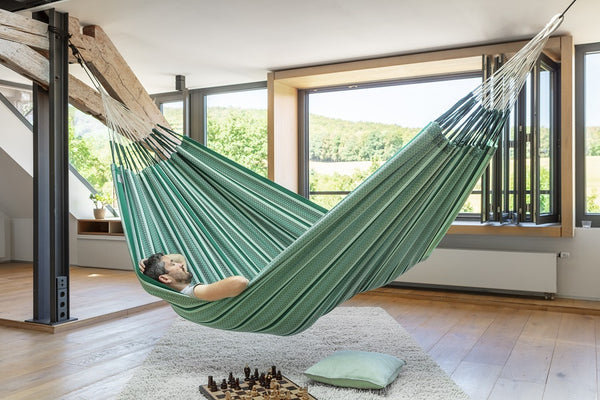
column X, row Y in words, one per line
column 89, row 150
column 237, row 127
column 546, row 138
column 592, row 133
column 173, row 112
column 352, row 132
column 526, row 213
column 21, row 98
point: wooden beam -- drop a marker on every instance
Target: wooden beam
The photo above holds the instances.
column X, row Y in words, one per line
column 109, row 67
column 17, row 28
column 32, row 65
column 24, row 47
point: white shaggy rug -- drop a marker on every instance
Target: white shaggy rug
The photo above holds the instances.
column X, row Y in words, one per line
column 188, row 353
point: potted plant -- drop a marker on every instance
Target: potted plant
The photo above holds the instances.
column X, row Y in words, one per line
column 100, row 200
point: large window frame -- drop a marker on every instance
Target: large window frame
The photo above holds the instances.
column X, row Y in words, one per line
column 195, row 105
column 580, row 135
column 304, row 131
column 285, row 145
column 523, row 146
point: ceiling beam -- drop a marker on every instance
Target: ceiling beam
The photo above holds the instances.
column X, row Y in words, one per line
column 24, row 49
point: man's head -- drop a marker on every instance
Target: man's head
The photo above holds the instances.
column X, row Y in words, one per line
column 162, row 268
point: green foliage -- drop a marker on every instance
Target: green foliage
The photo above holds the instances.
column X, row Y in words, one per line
column 239, row 134
column 174, row 117
column 592, row 141
column 340, row 140
column 593, row 202
column 83, row 155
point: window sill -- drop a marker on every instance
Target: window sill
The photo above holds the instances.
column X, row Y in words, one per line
column 524, row 229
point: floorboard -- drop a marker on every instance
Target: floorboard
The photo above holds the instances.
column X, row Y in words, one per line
column 495, row 347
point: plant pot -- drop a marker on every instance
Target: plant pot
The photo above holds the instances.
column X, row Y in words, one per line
column 99, row 213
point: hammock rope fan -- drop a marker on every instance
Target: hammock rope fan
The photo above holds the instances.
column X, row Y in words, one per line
column 177, row 196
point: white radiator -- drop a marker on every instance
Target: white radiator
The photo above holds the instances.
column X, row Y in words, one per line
column 483, row 269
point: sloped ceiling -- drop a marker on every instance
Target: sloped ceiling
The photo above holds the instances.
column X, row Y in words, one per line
column 235, row 41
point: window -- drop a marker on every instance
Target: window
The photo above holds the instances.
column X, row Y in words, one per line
column 522, row 182
column 20, row 96
column 350, row 131
column 587, row 126
column 89, row 150
column 231, row 120
column 236, row 126
column 173, row 107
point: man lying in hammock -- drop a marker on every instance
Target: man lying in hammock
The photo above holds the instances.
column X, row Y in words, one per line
column 171, row 270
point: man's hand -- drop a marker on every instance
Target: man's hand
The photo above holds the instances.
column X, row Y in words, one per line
column 142, row 265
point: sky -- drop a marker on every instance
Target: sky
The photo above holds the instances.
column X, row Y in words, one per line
column 592, row 89
column 412, row 105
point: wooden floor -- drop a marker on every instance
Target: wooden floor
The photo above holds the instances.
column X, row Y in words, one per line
column 495, row 347
column 95, row 294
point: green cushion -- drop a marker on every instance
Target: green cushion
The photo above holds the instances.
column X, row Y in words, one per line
column 356, row 369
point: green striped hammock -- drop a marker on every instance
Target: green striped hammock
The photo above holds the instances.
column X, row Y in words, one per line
column 177, row 196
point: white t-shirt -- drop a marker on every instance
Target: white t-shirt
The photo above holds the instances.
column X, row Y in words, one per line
column 189, row 290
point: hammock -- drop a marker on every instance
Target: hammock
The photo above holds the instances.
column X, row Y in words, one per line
column 177, row 196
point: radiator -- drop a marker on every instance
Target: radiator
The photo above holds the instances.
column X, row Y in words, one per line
column 486, row 270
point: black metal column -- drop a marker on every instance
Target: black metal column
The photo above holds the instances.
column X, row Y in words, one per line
column 51, row 174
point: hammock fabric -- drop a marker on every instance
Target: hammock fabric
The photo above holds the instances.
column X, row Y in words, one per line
column 177, row 196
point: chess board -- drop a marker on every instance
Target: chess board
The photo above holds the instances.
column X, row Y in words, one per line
column 262, row 393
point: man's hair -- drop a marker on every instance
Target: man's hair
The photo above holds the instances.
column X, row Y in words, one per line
column 155, row 267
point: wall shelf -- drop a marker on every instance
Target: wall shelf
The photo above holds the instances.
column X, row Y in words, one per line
column 110, row 227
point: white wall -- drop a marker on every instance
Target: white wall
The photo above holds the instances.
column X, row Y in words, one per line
column 22, row 239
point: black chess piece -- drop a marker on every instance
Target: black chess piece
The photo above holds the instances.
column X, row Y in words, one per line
column 213, row 387
column 256, row 374
column 262, row 380
column 236, row 385
column 224, row 384
column 273, row 370
column 210, row 381
column 230, row 378
column 247, row 372
column 278, row 376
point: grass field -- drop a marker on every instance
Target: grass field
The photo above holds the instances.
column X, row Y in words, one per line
column 348, row 168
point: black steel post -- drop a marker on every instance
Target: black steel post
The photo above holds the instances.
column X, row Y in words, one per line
column 51, row 175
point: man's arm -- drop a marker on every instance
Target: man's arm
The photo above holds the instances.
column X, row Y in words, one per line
column 228, row 287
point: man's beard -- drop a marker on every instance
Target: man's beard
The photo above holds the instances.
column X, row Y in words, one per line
column 187, row 279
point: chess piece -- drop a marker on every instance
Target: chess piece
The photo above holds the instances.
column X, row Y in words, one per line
column 230, row 378
column 224, row 384
column 256, row 374
column 288, row 395
column 236, row 384
column 273, row 370
column 210, row 381
column 262, row 380
column 246, row 373
column 278, row 376
column 228, row 396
